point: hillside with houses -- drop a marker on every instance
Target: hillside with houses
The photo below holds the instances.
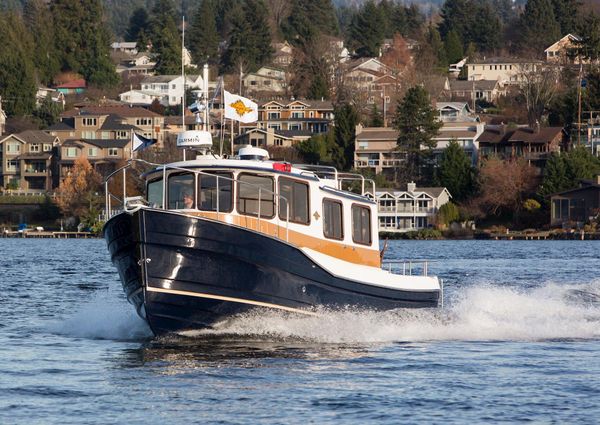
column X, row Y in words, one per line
column 481, row 113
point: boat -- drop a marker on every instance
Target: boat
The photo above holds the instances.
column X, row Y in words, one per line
column 215, row 236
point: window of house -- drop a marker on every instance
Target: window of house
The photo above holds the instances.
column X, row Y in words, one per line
column 89, row 121
column 143, row 121
column 295, row 126
column 274, row 115
column 13, row 148
column 173, row 86
column 207, row 189
column 296, row 194
column 253, row 82
column 71, row 152
column 154, row 192
column 47, row 147
column 332, row 219
column 297, row 114
column 267, row 82
column 88, row 134
column 361, row 224
column 121, row 134
column 275, row 126
column 12, row 165
column 255, row 195
column 34, row 147
column 92, row 151
column 113, row 152
column 181, row 191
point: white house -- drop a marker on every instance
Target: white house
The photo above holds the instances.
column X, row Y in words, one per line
column 2, row 119
column 504, row 70
column 169, row 89
column 129, row 47
column 411, row 209
column 559, row 51
column 266, row 79
column 56, row 96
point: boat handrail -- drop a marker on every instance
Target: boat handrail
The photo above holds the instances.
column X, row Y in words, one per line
column 165, row 167
column 407, row 271
column 325, row 169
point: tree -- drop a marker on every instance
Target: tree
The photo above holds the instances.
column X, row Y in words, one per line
column 83, row 41
column 581, row 164
column 454, row 47
column 17, row 84
column 76, row 194
column 437, row 47
column 417, row 124
column 203, row 36
column 164, row 36
column 538, row 88
column 455, row 172
column 39, row 22
column 308, row 19
column 317, row 149
column 567, row 15
column 485, row 29
column 456, row 16
column 590, row 34
column 504, row 185
column 376, row 117
column 48, row 112
column 138, row 28
column 555, row 176
column 367, row 30
column 447, row 214
column 346, row 119
column 538, row 26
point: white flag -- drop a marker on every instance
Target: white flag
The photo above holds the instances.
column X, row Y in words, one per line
column 240, row 108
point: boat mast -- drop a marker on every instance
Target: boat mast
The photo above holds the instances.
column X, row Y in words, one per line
column 183, row 77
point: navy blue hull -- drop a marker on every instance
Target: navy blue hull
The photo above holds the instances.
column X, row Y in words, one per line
column 184, row 272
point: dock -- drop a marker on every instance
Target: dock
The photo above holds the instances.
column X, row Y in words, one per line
column 46, row 234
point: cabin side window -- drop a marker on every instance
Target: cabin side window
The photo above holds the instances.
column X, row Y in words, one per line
column 296, row 194
column 361, row 224
column 181, row 191
column 250, row 186
column 207, row 192
column 332, row 219
column 155, row 193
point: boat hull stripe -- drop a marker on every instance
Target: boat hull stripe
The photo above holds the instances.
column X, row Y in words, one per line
column 231, row 299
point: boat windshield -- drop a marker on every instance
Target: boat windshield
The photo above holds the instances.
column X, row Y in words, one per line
column 181, row 191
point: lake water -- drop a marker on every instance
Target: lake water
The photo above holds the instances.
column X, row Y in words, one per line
column 518, row 340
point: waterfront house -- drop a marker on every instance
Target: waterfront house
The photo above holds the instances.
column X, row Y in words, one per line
column 105, row 155
column 412, row 209
column 28, row 161
column 576, row 206
column 266, row 81
column 533, row 144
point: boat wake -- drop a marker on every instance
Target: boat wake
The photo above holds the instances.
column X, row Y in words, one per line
column 481, row 313
column 104, row 318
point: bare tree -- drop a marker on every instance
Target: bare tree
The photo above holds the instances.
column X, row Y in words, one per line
column 538, row 86
column 278, row 11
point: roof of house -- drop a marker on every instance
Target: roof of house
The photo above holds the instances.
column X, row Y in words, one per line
column 501, row 134
column 35, row 155
column 108, row 143
column 125, row 111
column 65, row 125
column 434, row 192
column 36, row 136
column 74, row 84
column 456, row 134
column 465, row 85
column 113, row 122
column 377, row 133
column 166, row 78
column 503, row 60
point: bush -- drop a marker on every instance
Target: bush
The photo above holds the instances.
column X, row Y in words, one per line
column 448, row 213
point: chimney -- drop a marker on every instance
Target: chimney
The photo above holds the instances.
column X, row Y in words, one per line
column 411, row 187
column 536, row 127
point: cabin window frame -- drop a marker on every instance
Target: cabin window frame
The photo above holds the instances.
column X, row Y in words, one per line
column 341, row 204
column 240, row 183
column 229, row 177
column 291, row 202
column 364, row 207
column 160, row 205
column 194, row 184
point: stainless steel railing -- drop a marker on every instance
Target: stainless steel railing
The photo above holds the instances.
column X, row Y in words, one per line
column 109, row 210
column 407, row 266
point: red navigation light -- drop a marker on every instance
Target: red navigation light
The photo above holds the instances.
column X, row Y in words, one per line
column 282, row 166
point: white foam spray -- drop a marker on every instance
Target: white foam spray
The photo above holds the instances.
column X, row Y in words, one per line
column 489, row 313
column 105, row 316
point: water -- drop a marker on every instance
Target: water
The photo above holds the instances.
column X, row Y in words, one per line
column 519, row 340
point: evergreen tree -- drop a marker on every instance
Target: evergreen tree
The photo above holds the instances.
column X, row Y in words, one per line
column 376, row 117
column 138, row 28
column 454, row 47
column 538, row 26
column 567, row 15
column 308, row 19
column 455, row 172
column 555, row 176
column 237, row 53
column 260, row 34
column 48, row 112
column 484, row 28
column 590, row 34
column 39, row 23
column 417, row 124
column 456, row 16
column 346, row 119
column 581, row 164
column 82, row 38
column 414, row 20
column 166, row 43
column 367, row 30
column 437, row 47
column 203, row 36
column 17, row 84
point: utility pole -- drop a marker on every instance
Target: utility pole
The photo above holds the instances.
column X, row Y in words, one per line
column 579, row 104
